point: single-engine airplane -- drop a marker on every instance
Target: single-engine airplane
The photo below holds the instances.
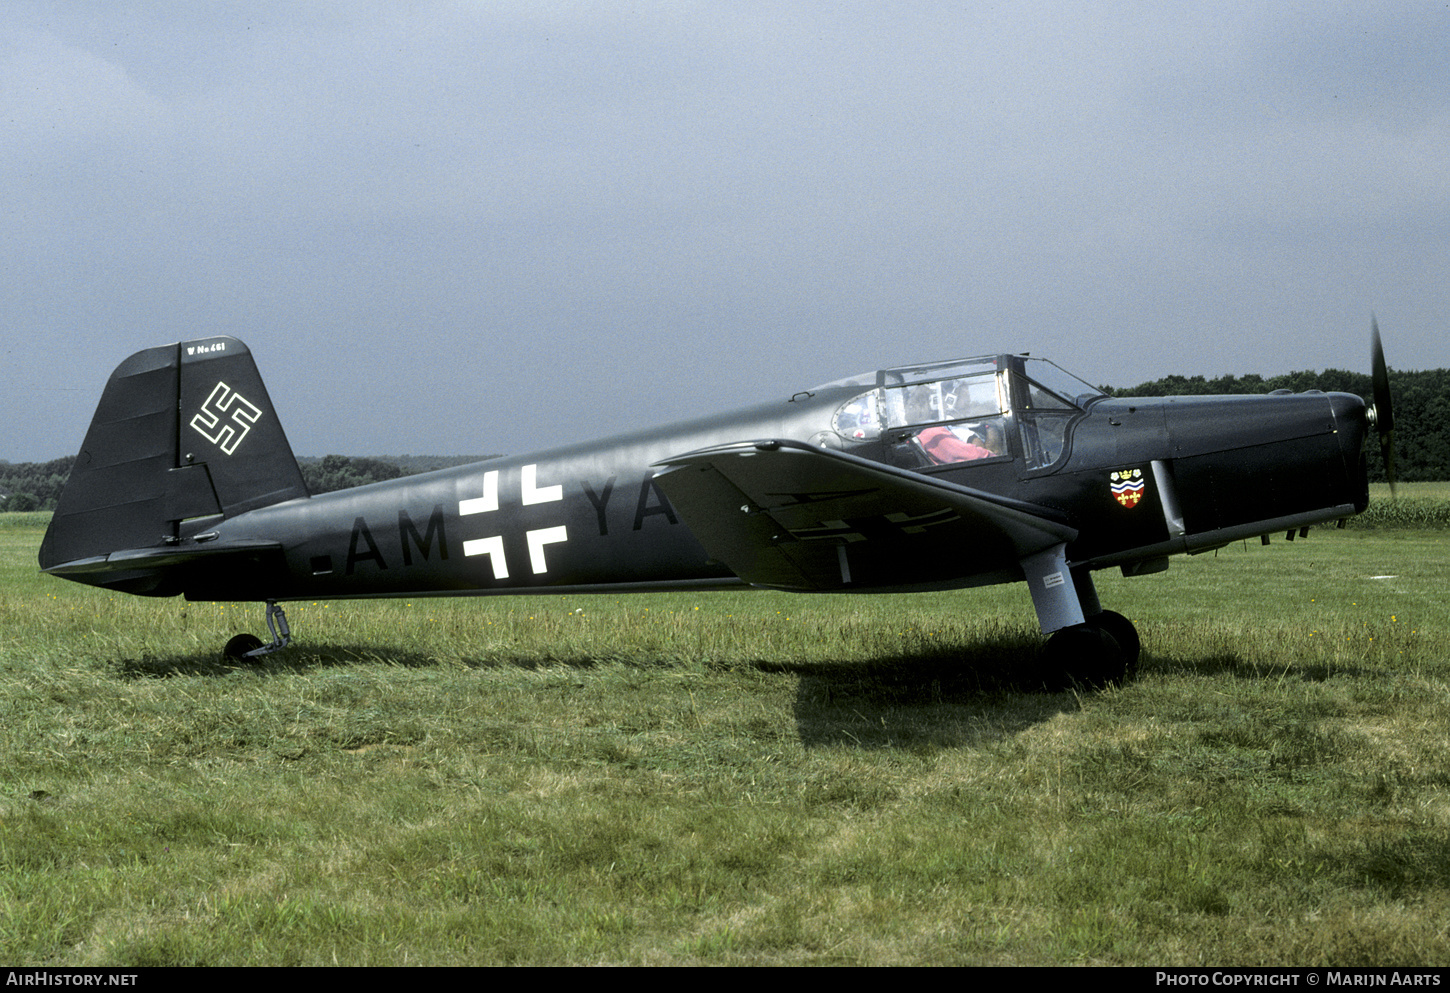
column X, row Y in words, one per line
column 947, row 475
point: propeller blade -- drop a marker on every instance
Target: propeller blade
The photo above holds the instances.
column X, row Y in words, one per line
column 1384, row 415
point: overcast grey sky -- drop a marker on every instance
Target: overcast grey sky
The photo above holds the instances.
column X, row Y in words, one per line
column 478, row 227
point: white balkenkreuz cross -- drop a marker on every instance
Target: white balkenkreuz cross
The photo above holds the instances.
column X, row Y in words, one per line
column 530, row 493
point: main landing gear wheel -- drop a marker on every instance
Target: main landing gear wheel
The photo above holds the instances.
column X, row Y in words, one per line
column 1103, row 652
column 1124, row 634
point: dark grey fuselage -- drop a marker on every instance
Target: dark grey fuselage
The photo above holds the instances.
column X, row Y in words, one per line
column 592, row 516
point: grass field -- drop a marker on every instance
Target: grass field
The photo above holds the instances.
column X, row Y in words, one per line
column 737, row 778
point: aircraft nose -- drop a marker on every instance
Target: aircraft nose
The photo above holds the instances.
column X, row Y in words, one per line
column 1350, row 413
column 1351, row 421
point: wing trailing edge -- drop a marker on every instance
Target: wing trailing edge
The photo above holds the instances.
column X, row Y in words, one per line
column 783, row 514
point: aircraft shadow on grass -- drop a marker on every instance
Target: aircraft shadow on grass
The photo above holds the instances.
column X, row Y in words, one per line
column 951, row 696
column 948, row 696
column 945, row 697
column 909, row 677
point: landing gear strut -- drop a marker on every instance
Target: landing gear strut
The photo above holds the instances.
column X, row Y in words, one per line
column 1089, row 646
column 246, row 647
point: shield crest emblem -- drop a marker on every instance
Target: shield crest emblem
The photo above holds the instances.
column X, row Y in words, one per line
column 1127, row 486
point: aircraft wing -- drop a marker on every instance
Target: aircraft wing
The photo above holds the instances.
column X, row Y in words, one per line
column 787, row 515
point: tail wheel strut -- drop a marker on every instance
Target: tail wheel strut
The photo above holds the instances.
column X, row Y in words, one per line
column 245, row 647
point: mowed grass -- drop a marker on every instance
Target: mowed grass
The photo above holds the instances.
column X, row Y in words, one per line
column 736, row 778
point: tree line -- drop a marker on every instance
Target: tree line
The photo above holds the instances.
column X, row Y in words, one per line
column 341, row 472
column 37, row 485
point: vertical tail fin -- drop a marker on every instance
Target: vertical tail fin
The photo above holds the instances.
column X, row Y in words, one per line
column 182, row 431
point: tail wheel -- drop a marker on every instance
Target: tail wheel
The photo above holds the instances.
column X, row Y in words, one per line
column 238, row 647
column 250, row 648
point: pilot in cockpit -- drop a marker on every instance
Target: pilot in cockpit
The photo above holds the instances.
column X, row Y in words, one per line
column 944, row 443
column 988, row 435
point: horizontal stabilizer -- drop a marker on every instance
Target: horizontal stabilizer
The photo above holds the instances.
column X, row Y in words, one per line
column 786, row 515
column 202, row 570
column 163, row 558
